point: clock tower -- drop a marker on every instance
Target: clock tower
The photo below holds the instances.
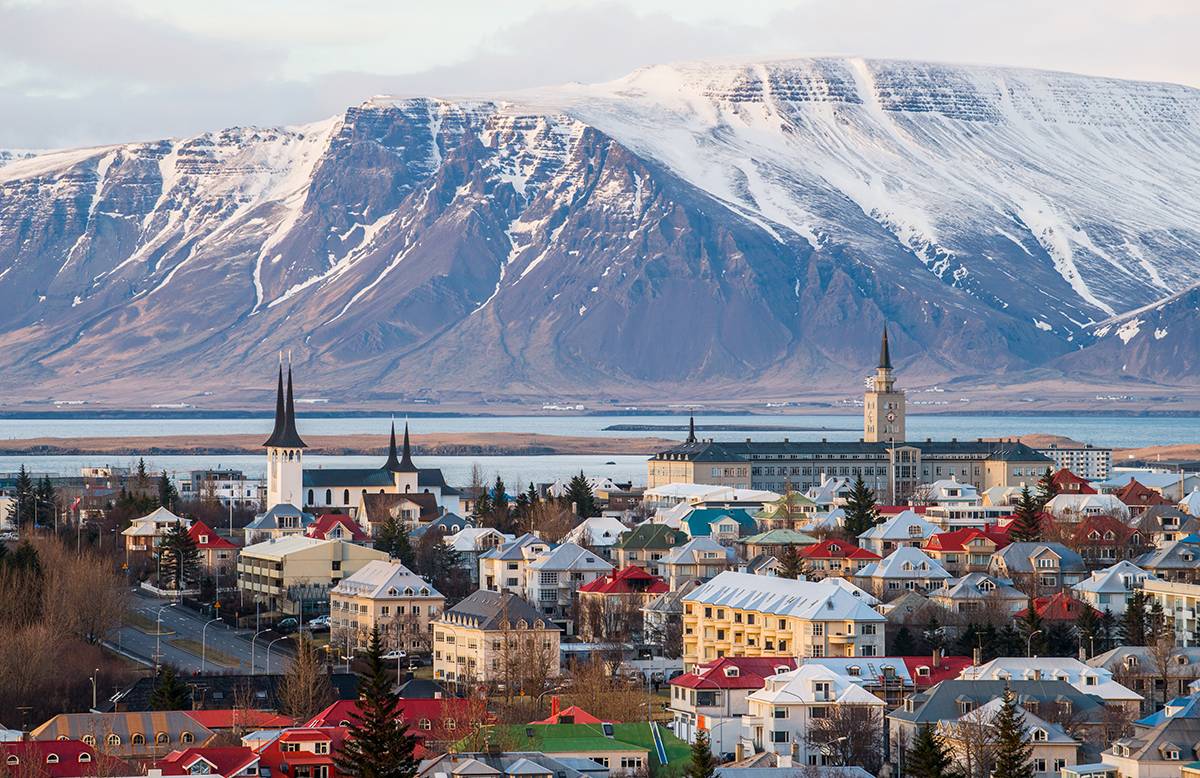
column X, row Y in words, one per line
column 883, row 405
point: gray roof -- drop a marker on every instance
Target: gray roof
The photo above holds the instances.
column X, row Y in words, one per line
column 1114, row 659
column 488, row 610
column 1016, row 557
column 806, row 771
column 969, row 588
column 713, row 451
column 512, row 550
column 447, row 524
column 509, row 763
column 1173, row 556
column 941, row 703
column 270, row 519
column 671, row 603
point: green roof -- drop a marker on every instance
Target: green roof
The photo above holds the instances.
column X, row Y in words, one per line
column 651, row 536
column 699, row 521
column 575, row 738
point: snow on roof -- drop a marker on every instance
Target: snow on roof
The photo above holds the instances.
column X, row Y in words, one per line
column 597, row 531
column 783, row 597
column 286, row 545
column 378, row 578
column 1096, row 681
column 570, row 556
column 467, row 538
column 901, row 527
column 1112, row 580
column 904, row 562
column 799, row 687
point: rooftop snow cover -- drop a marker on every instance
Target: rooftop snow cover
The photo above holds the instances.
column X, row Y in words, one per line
column 820, row 601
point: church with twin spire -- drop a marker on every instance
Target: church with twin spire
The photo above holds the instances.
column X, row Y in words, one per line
column 366, row 494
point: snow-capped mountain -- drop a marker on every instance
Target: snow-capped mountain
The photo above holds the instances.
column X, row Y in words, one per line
column 695, row 229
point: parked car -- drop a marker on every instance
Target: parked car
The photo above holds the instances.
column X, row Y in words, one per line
column 394, row 655
column 287, row 625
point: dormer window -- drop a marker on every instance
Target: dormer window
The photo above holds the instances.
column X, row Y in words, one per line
column 1038, row 735
column 85, row 757
column 853, row 670
column 204, row 540
column 1131, row 661
column 51, row 758
column 731, row 672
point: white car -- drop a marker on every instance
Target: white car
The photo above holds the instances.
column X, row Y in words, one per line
column 394, row 655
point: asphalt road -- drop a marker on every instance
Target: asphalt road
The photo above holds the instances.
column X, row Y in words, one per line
column 181, row 624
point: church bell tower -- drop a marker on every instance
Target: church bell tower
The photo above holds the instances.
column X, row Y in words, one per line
column 883, row 404
column 285, row 451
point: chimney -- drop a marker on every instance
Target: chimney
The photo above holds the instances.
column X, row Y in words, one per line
column 553, row 706
column 937, row 658
column 739, row 751
column 1082, row 654
column 977, row 656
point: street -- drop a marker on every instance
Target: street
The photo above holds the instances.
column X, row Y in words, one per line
column 181, row 643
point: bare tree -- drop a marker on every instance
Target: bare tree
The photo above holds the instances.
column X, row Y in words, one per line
column 605, row 695
column 305, row 689
column 849, row 735
column 971, row 742
column 1161, row 653
column 551, row 520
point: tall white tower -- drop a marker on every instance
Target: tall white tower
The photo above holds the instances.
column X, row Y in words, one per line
column 285, row 452
column 883, row 404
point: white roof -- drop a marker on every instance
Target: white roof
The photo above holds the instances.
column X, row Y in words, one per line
column 1048, row 668
column 904, row 562
column 672, row 517
column 378, row 577
column 784, row 597
column 1190, row 504
column 1151, row 478
column 940, row 490
column 708, row 493
column 898, row 528
column 1054, row 733
column 570, row 556
column 1111, row 580
column 467, row 538
column 851, row 589
column 829, row 490
column 1001, row 495
column 868, row 668
column 1092, row 503
column 148, row 524
column 278, row 548
column 797, row 687
column 597, row 531
column 688, row 553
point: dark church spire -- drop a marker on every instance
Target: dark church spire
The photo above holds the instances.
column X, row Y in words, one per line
column 406, row 463
column 392, row 464
column 691, row 438
column 885, row 356
column 284, row 435
column 280, row 411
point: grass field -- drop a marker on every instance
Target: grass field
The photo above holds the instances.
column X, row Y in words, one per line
column 145, row 624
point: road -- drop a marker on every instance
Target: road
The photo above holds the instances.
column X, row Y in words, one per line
column 180, row 624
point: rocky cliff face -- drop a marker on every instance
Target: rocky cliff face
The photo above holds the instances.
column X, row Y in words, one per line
column 697, row 230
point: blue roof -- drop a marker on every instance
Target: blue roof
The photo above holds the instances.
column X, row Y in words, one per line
column 1189, row 707
column 700, row 519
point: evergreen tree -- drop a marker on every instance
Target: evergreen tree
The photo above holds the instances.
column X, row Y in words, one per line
column 141, row 476
column 1106, row 637
column 1133, row 623
column 1033, row 634
column 927, row 757
column 500, row 500
column 1027, row 526
column 1059, row 640
column 167, row 495
column 935, row 640
column 483, row 506
column 45, row 500
column 1046, row 489
column 1013, row 755
column 703, row 764
column 860, row 508
column 24, row 500
column 170, row 692
column 1156, row 623
column 25, row 559
column 1008, row 642
column 377, row 744
column 393, row 539
column 521, row 506
column 791, row 564
column 1088, row 628
column 903, row 645
column 532, row 495
column 180, row 557
column 579, row 494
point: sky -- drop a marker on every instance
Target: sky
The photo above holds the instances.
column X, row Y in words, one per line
column 86, row 72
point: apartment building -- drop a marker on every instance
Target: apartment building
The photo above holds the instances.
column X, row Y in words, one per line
column 294, row 574
column 502, row 569
column 712, row 698
column 552, row 579
column 489, row 637
column 738, row 614
column 388, row 595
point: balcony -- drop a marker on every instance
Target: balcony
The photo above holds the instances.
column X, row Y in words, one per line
column 842, row 637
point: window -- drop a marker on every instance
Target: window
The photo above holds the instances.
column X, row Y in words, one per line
column 1038, row 736
column 12, row 760
column 819, row 712
column 187, row 737
column 138, row 739
column 425, row 724
column 779, row 736
column 321, row 747
column 162, row 738
column 113, row 740
column 1039, row 765
column 85, row 757
column 51, row 758
column 781, row 713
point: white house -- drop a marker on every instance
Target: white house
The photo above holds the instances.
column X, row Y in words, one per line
column 906, row 528
column 1073, row 507
column 1110, row 589
column 1190, row 504
column 1096, row 681
column 906, row 568
column 599, row 532
column 553, row 577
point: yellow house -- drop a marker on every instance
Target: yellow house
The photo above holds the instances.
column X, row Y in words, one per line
column 388, row 595
column 297, row 572
column 495, row 638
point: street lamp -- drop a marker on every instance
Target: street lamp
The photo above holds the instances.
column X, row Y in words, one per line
column 273, row 642
column 204, row 642
column 95, row 677
column 158, row 635
column 1029, row 642
column 253, row 662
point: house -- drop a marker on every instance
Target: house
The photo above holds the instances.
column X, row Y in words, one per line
column 1066, row 482
column 1073, row 507
column 218, row 555
column 1179, row 602
column 552, row 579
column 906, row 569
column 1190, row 504
column 599, row 533
column 781, row 715
column 754, row 615
column 712, row 698
column 1161, row 743
column 624, row 748
column 470, row 543
column 826, row 522
column 302, row 752
column 1176, row 561
column 1096, row 681
column 220, row 692
column 502, row 569
column 830, row 493
column 702, row 558
column 1110, row 589
column 836, row 558
column 1033, row 566
column 228, row 721
column 293, row 575
column 786, row 513
column 127, row 735
column 521, row 764
column 947, row 491
column 410, row 509
column 979, row 592
column 723, row 526
column 1104, row 540
column 930, row 670
column 904, row 529
column 1172, row 485
column 280, row 521
column 1060, row 607
column 646, row 545
column 965, row 551
column 1139, row 497
column 386, row 594
column 911, row 607
column 614, row 603
column 445, row 525
column 950, row 702
column 143, row 536
column 436, row 721
column 491, row 637
column 774, row 543
column 225, row 761
column 886, row 677
column 58, row 759
column 337, row 526
column 1137, row 668
column 952, row 516
column 1164, row 524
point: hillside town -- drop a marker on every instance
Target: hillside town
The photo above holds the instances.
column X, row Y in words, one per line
column 755, row 609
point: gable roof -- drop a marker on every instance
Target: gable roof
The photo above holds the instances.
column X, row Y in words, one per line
column 1103, row 525
column 957, row 540
column 378, row 578
column 270, row 519
column 1059, row 606
column 326, row 522
column 821, row 600
column 905, row 562
column 569, row 556
column 1066, row 481
column 1135, row 493
column 735, row 672
column 223, row 760
column 627, row 580
column 487, row 610
column 378, row 508
column 699, row 522
column 690, row 553
column 900, row 527
column 59, row 759
column 651, row 536
column 837, row 549
column 942, row 701
column 1017, row 557
column 211, row 540
column 779, row 537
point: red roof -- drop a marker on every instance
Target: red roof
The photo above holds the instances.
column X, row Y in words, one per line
column 948, row 668
column 307, row 734
column 225, row 760
column 837, row 549
column 1104, row 525
column 1067, row 482
column 1135, row 494
column 734, row 672
column 895, row 510
column 574, row 715
column 59, row 759
column 327, row 521
column 1057, row 607
column 232, row 717
column 956, row 540
column 212, row 540
column 627, row 580
column 411, row 710
column 273, row 758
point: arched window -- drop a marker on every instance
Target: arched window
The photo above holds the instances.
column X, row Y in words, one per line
column 89, row 739
column 161, row 738
column 186, row 737
column 310, row 496
column 113, row 740
column 51, row 758
column 138, row 739
column 346, row 497
column 85, row 757
column 12, row 760
column 328, row 496
column 426, row 724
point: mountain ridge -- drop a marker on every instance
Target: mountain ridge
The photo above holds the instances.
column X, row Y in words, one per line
column 724, row 230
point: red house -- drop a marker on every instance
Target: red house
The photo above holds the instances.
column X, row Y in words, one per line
column 57, row 759
column 1139, row 497
column 1103, row 541
column 304, row 752
column 218, row 554
column 431, row 720
column 837, row 558
column 226, row 761
column 1066, row 482
column 337, row 526
column 1057, row 607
